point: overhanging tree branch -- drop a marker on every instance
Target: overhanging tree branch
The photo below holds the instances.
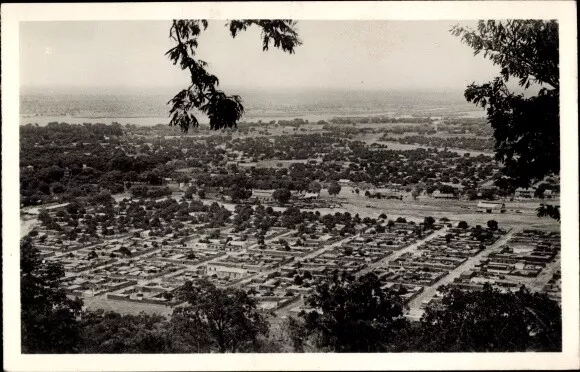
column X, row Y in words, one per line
column 526, row 130
column 202, row 95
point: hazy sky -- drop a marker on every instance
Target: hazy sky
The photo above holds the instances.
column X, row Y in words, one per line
column 334, row 54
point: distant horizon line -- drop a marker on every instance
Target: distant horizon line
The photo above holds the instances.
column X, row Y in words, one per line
column 99, row 89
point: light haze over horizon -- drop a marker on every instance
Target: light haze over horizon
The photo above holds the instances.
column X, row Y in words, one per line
column 354, row 55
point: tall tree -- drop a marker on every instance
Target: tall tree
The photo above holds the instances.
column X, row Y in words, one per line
column 203, row 94
column 491, row 321
column 229, row 316
column 334, row 188
column 110, row 332
column 48, row 317
column 357, row 315
column 238, row 192
column 314, row 186
column 526, row 129
column 282, row 195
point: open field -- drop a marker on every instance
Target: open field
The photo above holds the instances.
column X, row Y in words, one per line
column 125, row 307
column 454, row 210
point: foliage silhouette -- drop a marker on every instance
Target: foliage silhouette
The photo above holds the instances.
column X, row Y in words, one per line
column 357, row 315
column 48, row 317
column 203, row 94
column 228, row 316
column 491, row 321
column 526, row 129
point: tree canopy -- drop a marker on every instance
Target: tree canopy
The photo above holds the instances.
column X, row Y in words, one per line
column 357, row 315
column 491, row 321
column 203, row 94
column 334, row 188
column 228, row 317
column 282, row 195
column 48, row 317
column 526, row 129
column 114, row 333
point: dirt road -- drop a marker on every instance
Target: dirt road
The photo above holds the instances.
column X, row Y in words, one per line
column 415, row 310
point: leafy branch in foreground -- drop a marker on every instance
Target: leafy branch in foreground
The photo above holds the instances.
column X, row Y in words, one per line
column 203, row 94
column 526, row 129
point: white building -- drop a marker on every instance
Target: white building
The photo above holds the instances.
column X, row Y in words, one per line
column 263, row 195
column 490, row 207
column 524, row 192
column 311, row 195
column 226, row 271
column 439, row 195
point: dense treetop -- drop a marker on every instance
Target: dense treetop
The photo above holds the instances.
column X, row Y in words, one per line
column 526, row 129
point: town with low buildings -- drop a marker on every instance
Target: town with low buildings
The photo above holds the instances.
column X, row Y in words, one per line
column 318, row 187
column 280, row 267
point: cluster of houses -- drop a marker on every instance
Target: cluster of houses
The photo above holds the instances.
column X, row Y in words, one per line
column 517, row 262
column 186, row 255
column 285, row 267
column 159, row 292
column 49, row 243
column 238, row 266
column 88, row 285
column 432, row 261
column 279, row 289
column 370, row 246
column 523, row 193
column 77, row 261
column 290, row 246
column 352, row 257
column 385, row 193
column 76, row 257
column 395, row 237
column 490, row 207
column 525, row 254
column 326, row 262
column 117, row 277
column 305, row 200
column 108, row 252
column 459, row 243
column 155, row 277
column 417, row 269
column 137, row 269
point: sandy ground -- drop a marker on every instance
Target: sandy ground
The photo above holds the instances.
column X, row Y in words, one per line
column 455, row 210
column 26, row 225
column 403, row 146
column 125, row 307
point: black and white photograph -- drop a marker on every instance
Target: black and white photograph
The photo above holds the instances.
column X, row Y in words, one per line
column 278, row 183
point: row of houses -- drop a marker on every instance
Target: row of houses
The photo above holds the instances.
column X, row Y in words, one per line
column 266, row 196
column 520, row 261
